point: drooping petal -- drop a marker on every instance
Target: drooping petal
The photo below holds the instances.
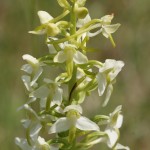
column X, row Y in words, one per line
column 85, row 124
column 62, row 124
column 79, row 58
column 73, row 107
column 44, row 17
column 108, row 94
column 113, row 135
column 26, row 80
column 101, row 83
column 60, row 57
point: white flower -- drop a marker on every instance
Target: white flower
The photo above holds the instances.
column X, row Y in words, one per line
column 112, row 129
column 106, row 77
column 107, row 28
column 73, row 119
column 46, row 27
column 51, row 88
column 33, row 69
column 69, row 54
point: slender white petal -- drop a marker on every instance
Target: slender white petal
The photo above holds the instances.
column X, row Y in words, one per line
column 44, row 17
column 58, row 96
column 108, row 94
column 101, row 83
column 26, row 80
column 85, row 124
column 62, row 124
column 113, row 136
column 119, row 121
column 79, row 58
column 36, row 76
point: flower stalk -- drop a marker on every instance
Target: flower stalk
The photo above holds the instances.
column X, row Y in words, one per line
column 59, row 114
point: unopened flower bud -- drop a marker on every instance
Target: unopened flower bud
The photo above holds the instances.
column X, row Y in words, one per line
column 81, row 12
column 52, row 29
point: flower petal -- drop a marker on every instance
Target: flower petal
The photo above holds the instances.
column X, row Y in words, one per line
column 30, row 59
column 34, row 131
column 26, row 80
column 44, row 17
column 85, row 124
column 108, row 94
column 101, row 83
column 60, row 57
column 113, row 135
column 111, row 28
column 36, row 76
column 58, row 96
column 79, row 58
column 62, row 124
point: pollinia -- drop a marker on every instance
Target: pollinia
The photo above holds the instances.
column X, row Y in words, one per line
column 54, row 119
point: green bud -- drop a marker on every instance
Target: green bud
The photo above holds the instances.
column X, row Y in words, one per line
column 52, row 29
column 81, row 12
column 64, row 3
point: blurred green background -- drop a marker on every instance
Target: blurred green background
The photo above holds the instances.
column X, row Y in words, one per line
column 132, row 89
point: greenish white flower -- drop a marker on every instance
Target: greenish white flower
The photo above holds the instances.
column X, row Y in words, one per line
column 106, row 77
column 33, row 69
column 46, row 27
column 112, row 129
column 68, row 54
column 107, row 28
column 73, row 119
column 51, row 88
